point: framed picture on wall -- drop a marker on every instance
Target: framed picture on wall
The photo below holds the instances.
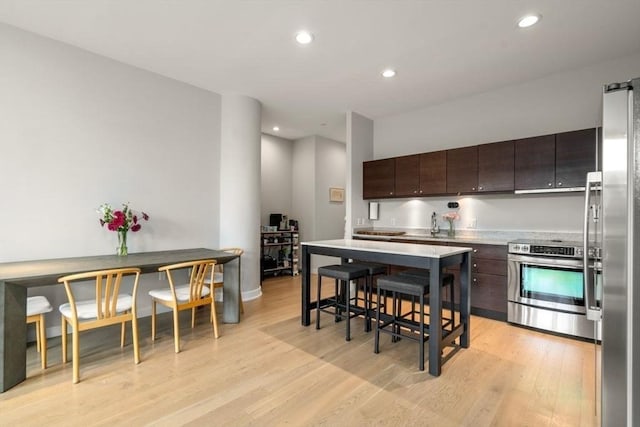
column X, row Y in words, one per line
column 336, row 194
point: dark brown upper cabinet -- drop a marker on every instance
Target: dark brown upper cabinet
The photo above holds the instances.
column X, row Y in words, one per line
column 462, row 170
column 496, row 166
column 575, row 156
column 535, row 161
column 407, row 176
column 378, row 178
column 433, row 173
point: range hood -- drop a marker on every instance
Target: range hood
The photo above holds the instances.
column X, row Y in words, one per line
column 549, row 190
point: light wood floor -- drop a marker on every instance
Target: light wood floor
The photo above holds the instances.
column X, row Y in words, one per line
column 270, row 370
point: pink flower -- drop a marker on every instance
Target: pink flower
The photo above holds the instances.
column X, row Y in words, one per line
column 451, row 216
column 121, row 220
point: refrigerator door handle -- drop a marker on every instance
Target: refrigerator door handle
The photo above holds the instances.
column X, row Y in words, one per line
column 594, row 180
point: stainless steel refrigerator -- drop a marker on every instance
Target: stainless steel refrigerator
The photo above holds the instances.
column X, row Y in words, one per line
column 612, row 236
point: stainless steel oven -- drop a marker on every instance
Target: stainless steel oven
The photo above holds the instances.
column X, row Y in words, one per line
column 545, row 288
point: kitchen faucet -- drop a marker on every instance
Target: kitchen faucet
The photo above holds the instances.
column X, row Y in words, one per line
column 434, row 224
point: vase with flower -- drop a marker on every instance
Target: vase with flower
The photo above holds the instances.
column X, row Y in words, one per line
column 121, row 221
column 450, row 217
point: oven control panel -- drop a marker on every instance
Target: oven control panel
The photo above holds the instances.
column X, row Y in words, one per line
column 564, row 251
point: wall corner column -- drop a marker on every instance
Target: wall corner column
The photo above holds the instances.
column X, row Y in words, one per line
column 240, row 189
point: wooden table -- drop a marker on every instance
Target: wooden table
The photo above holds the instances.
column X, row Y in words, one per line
column 434, row 258
column 16, row 277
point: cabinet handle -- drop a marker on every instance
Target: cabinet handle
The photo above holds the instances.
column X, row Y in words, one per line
column 391, row 192
column 475, row 280
column 420, row 191
column 415, row 191
column 480, row 188
column 559, row 184
column 473, row 188
column 475, row 251
column 550, row 184
column 475, row 265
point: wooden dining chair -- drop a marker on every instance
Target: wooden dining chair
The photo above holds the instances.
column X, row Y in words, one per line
column 184, row 297
column 109, row 307
column 37, row 307
column 218, row 277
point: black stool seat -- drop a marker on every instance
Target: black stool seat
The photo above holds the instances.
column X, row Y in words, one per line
column 374, row 269
column 408, row 285
column 343, row 271
column 399, row 325
column 341, row 301
column 447, row 278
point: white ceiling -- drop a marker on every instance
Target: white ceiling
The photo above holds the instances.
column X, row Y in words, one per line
column 441, row 49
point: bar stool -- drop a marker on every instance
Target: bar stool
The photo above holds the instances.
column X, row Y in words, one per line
column 414, row 287
column 342, row 273
column 447, row 282
column 374, row 270
column 37, row 307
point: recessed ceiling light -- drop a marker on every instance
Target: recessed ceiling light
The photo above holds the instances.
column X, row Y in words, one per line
column 388, row 73
column 304, row 37
column 529, row 20
column 276, row 128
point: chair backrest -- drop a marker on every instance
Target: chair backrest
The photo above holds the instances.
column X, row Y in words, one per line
column 235, row 251
column 107, row 287
column 199, row 270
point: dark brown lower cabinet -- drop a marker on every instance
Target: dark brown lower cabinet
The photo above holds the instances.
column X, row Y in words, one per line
column 488, row 278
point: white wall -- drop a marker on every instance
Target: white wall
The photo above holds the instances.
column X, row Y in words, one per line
column 276, row 174
column 79, row 130
column 560, row 102
column 318, row 164
column 303, row 187
column 359, row 149
column 330, row 173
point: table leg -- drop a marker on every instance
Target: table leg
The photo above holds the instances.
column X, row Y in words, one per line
column 465, row 300
column 13, row 335
column 306, row 287
column 435, row 319
column 231, row 292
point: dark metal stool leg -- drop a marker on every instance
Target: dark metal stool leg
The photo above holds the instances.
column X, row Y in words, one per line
column 348, row 309
column 453, row 312
column 318, row 302
column 376, row 343
column 421, row 341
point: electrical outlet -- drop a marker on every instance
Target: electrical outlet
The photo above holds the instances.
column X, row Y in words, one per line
column 162, row 276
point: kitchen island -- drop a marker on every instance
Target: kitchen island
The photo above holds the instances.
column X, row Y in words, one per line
column 433, row 258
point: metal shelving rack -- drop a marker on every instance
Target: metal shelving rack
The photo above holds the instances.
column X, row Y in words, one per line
column 279, row 253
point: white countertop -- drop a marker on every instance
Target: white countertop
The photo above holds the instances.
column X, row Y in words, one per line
column 413, row 249
column 486, row 237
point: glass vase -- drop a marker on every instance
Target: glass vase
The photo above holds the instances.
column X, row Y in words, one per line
column 122, row 250
column 452, row 231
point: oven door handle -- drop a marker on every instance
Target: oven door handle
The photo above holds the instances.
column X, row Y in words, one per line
column 594, row 179
column 572, row 263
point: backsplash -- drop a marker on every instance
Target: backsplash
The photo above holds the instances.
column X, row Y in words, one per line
column 545, row 213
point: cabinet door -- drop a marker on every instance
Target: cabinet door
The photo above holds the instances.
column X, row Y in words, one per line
column 433, row 173
column 489, row 292
column 496, row 166
column 575, row 156
column 378, row 178
column 535, row 162
column 462, row 170
column 407, row 176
